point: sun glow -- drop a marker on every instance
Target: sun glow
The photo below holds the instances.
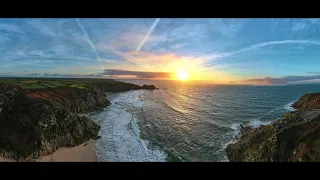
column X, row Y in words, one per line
column 183, row 74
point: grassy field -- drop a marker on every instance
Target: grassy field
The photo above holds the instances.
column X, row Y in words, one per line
column 44, row 83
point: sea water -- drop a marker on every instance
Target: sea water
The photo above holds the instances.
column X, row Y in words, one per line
column 186, row 121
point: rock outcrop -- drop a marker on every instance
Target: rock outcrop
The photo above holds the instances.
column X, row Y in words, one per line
column 294, row 137
column 72, row 99
column 37, row 122
column 308, row 101
column 148, row 87
column 116, row 86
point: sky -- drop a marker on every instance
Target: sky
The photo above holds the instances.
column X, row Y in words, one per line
column 219, row 50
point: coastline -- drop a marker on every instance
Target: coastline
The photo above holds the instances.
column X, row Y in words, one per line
column 299, row 128
column 83, row 153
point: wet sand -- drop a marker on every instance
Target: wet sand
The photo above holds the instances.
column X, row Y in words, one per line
column 81, row 153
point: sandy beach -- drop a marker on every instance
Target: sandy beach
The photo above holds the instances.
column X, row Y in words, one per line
column 81, row 153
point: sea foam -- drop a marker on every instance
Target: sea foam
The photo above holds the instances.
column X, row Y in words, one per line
column 288, row 107
column 120, row 141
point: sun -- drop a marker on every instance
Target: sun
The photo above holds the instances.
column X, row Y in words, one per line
column 183, row 74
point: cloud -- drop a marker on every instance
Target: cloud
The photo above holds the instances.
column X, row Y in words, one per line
column 313, row 20
column 89, row 41
column 6, row 73
column 176, row 46
column 215, row 55
column 67, row 75
column 10, row 28
column 301, row 78
column 314, row 72
column 129, row 41
column 273, row 24
column 153, row 26
column 126, row 40
column 138, row 74
column 34, row 74
column 4, row 39
column 229, row 27
column 297, row 27
column 201, row 29
column 38, row 24
column 266, row 81
column 61, row 46
column 20, row 53
column 282, row 80
column 36, row 53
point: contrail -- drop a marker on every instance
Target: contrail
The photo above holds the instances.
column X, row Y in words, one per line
column 89, row 41
column 256, row 46
column 147, row 36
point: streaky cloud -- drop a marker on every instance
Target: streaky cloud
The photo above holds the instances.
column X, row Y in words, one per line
column 89, row 41
column 97, row 75
column 138, row 74
column 213, row 55
column 314, row 72
column 153, row 26
column 282, row 80
column 34, row 74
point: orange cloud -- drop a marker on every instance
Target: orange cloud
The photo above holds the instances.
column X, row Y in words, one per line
column 151, row 62
column 171, row 63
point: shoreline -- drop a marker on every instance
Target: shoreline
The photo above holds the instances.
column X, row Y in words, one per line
column 83, row 153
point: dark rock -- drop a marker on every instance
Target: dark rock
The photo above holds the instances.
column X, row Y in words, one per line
column 33, row 127
column 96, row 138
column 75, row 100
column 118, row 86
column 37, row 122
column 308, row 101
column 248, row 147
column 291, row 138
column 148, row 87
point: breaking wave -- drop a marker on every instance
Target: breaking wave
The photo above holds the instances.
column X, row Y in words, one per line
column 120, row 141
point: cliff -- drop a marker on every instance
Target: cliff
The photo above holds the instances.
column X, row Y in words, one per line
column 36, row 122
column 308, row 101
column 294, row 137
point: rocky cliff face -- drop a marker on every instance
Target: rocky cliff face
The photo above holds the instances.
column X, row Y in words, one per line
column 118, row 86
column 35, row 123
column 308, row 101
column 72, row 99
column 32, row 126
column 294, row 137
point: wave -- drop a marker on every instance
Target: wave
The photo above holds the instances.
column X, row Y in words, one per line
column 256, row 123
column 236, row 132
column 288, row 106
column 272, row 110
column 120, row 140
column 175, row 109
column 235, row 126
column 187, row 95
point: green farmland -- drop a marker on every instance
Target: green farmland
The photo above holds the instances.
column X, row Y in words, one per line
column 45, row 83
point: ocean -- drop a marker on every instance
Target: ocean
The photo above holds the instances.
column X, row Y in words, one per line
column 185, row 121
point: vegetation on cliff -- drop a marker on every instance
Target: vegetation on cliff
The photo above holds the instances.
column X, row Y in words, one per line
column 37, row 121
column 294, row 137
column 308, row 101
